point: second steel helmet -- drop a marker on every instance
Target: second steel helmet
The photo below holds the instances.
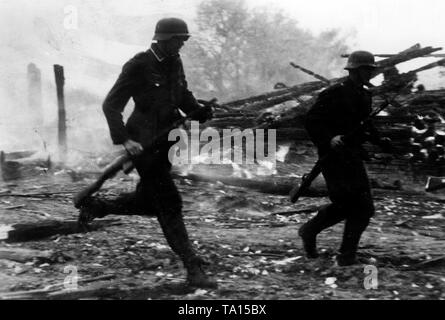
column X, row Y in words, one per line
column 360, row 59
column 168, row 28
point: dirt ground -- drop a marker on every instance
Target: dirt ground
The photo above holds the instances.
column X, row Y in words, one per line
column 253, row 253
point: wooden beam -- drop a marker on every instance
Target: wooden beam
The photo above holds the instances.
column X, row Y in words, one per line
column 60, row 82
column 23, row 255
column 383, row 55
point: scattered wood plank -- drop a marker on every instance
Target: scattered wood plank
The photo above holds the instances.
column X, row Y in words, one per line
column 430, row 264
column 300, row 211
column 38, row 194
column 55, row 292
column 15, row 207
column 43, row 229
column 23, row 255
column 39, row 212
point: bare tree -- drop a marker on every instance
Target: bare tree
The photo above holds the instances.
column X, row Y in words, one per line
column 239, row 52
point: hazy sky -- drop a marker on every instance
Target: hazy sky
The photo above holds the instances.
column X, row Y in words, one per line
column 378, row 25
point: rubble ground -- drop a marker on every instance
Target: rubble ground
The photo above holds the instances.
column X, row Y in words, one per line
column 253, row 253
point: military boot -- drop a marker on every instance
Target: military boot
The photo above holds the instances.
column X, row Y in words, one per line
column 345, row 260
column 325, row 218
column 196, row 276
column 309, row 241
column 177, row 237
column 351, row 238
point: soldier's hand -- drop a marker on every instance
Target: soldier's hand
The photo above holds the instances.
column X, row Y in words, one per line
column 204, row 113
column 208, row 112
column 133, row 148
column 337, row 142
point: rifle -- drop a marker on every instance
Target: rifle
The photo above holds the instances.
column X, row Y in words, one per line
column 125, row 161
column 299, row 189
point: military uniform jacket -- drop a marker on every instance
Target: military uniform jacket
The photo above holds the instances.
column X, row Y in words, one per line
column 158, row 87
column 338, row 111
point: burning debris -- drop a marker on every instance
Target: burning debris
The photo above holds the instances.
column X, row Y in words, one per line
column 414, row 122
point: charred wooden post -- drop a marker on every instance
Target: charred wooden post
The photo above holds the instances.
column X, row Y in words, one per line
column 60, row 82
column 2, row 160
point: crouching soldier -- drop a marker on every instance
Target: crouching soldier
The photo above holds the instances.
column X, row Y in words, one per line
column 337, row 112
column 155, row 80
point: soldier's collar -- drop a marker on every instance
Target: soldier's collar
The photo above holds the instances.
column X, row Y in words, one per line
column 160, row 56
column 355, row 86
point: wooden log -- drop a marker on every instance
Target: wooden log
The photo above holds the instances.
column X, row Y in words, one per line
column 307, row 210
column 23, row 255
column 272, row 97
column 428, row 97
column 307, row 71
column 389, row 55
column 37, row 194
column 238, row 122
column 273, row 185
column 293, row 95
column 22, row 232
column 406, row 55
column 269, row 186
column 436, row 263
column 55, row 292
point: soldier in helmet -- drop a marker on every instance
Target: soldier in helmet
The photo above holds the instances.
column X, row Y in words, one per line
column 155, row 80
column 339, row 110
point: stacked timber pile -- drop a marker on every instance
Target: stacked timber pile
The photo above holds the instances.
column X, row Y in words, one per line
column 415, row 123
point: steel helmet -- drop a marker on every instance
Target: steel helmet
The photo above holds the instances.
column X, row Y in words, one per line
column 360, row 59
column 168, row 28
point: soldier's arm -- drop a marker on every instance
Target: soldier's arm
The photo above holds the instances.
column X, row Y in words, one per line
column 189, row 103
column 316, row 121
column 117, row 99
column 371, row 133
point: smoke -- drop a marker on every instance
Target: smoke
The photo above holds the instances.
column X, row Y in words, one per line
column 91, row 40
column 45, row 33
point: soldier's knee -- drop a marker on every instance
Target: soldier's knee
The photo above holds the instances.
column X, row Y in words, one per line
column 174, row 208
column 366, row 205
column 364, row 209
